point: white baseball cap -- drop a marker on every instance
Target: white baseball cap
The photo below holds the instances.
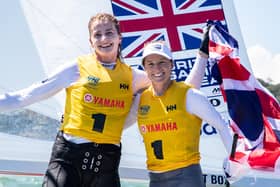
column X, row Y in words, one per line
column 158, row 47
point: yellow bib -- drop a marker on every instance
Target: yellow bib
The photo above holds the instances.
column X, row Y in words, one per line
column 98, row 103
column 171, row 135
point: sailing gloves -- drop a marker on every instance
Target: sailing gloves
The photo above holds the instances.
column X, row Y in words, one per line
column 204, row 45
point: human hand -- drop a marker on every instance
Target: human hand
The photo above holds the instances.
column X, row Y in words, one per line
column 204, row 45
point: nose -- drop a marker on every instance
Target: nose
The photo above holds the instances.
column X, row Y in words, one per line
column 158, row 66
column 103, row 37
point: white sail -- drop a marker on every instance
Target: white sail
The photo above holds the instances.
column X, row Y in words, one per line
column 37, row 36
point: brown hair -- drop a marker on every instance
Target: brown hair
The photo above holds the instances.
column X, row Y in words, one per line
column 105, row 17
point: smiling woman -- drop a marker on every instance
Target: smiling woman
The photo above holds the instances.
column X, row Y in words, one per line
column 157, row 61
column 47, row 39
column 105, row 37
column 99, row 91
column 169, row 119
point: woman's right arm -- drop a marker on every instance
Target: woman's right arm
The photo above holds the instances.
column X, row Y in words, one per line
column 63, row 77
column 140, row 81
column 132, row 115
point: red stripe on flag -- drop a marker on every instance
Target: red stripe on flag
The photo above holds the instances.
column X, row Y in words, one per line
column 231, row 69
column 238, row 157
column 129, row 6
column 270, row 107
column 170, row 22
column 266, row 157
column 187, row 4
column 261, row 158
column 270, row 140
column 220, row 49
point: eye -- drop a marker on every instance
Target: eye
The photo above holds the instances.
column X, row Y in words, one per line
column 109, row 33
column 150, row 64
column 97, row 35
column 163, row 63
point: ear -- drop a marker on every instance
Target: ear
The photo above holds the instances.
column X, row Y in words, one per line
column 90, row 41
column 120, row 39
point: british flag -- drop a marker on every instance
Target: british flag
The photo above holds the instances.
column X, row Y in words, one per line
column 254, row 113
column 178, row 22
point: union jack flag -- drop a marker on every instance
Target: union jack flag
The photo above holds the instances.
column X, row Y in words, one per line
column 253, row 111
column 178, row 22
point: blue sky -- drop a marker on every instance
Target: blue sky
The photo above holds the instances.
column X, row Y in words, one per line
column 259, row 24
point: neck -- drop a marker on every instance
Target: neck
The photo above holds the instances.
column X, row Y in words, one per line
column 106, row 59
column 160, row 89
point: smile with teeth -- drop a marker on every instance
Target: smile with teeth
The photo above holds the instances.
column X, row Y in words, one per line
column 158, row 74
column 106, row 46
